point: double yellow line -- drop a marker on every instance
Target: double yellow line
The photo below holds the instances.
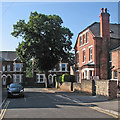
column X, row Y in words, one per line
column 102, row 111
column 4, row 110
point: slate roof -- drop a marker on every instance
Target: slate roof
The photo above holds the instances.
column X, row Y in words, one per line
column 118, row 48
column 114, row 28
column 95, row 29
column 8, row 55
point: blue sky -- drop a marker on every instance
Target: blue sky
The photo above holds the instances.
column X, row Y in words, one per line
column 75, row 15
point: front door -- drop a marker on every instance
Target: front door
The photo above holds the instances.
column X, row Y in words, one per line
column 4, row 80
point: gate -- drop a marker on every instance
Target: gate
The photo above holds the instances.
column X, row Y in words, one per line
column 93, row 87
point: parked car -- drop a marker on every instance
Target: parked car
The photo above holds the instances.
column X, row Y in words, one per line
column 15, row 89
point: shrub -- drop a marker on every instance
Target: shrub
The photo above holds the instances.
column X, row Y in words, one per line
column 68, row 78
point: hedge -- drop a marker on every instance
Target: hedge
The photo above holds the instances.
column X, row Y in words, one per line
column 66, row 78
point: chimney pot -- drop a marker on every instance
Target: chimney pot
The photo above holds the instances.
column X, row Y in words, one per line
column 105, row 10
column 101, row 10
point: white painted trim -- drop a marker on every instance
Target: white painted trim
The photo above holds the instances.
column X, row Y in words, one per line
column 9, row 75
column 83, row 49
column 3, row 76
column 87, row 69
column 84, row 32
column 44, row 78
column 90, row 46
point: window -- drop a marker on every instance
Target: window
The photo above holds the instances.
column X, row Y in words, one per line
column 80, row 40
column 115, row 74
column 3, row 68
column 41, row 78
column 87, row 37
column 8, row 67
column 17, row 78
column 37, row 78
column 77, row 57
column 83, row 55
column 110, row 64
column 84, row 39
column 63, row 67
column 90, row 54
column 18, row 67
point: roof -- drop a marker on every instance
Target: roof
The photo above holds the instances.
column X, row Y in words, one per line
column 8, row 55
column 118, row 48
column 95, row 29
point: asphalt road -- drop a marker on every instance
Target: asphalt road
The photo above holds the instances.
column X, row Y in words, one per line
column 40, row 103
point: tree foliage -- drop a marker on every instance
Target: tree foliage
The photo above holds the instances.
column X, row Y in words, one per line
column 44, row 39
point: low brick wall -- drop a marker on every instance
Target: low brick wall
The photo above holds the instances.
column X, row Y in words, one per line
column 76, row 87
column 66, row 86
column 86, row 86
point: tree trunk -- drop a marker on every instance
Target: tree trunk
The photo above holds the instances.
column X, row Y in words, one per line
column 46, row 75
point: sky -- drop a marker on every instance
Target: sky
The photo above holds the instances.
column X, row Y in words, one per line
column 75, row 15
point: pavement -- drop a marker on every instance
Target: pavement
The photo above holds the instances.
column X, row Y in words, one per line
column 96, row 102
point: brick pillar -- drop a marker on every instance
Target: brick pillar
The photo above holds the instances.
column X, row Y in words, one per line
column 105, row 34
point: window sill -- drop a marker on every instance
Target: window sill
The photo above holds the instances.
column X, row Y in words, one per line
column 84, row 44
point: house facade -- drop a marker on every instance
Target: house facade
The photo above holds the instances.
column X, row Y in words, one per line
column 92, row 49
column 115, row 62
column 12, row 69
column 60, row 68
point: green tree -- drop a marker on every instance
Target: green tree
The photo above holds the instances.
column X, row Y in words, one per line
column 44, row 39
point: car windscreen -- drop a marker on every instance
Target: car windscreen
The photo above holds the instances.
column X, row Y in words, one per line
column 15, row 86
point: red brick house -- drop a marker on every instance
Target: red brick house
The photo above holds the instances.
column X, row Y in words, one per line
column 93, row 46
column 12, row 69
column 115, row 62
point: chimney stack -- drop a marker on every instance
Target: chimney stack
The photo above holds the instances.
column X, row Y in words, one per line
column 104, row 23
column 105, row 43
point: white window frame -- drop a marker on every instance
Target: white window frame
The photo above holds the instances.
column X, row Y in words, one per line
column 90, row 54
column 14, row 77
column 3, row 68
column 80, row 40
column 15, row 64
column 115, row 77
column 39, row 78
column 84, row 56
column 83, row 39
column 87, row 37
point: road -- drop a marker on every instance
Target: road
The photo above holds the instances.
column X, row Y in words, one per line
column 41, row 103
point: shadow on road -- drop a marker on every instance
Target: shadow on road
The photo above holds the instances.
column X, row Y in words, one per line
column 41, row 100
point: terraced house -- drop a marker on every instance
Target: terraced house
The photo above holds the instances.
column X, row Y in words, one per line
column 93, row 46
column 12, row 69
